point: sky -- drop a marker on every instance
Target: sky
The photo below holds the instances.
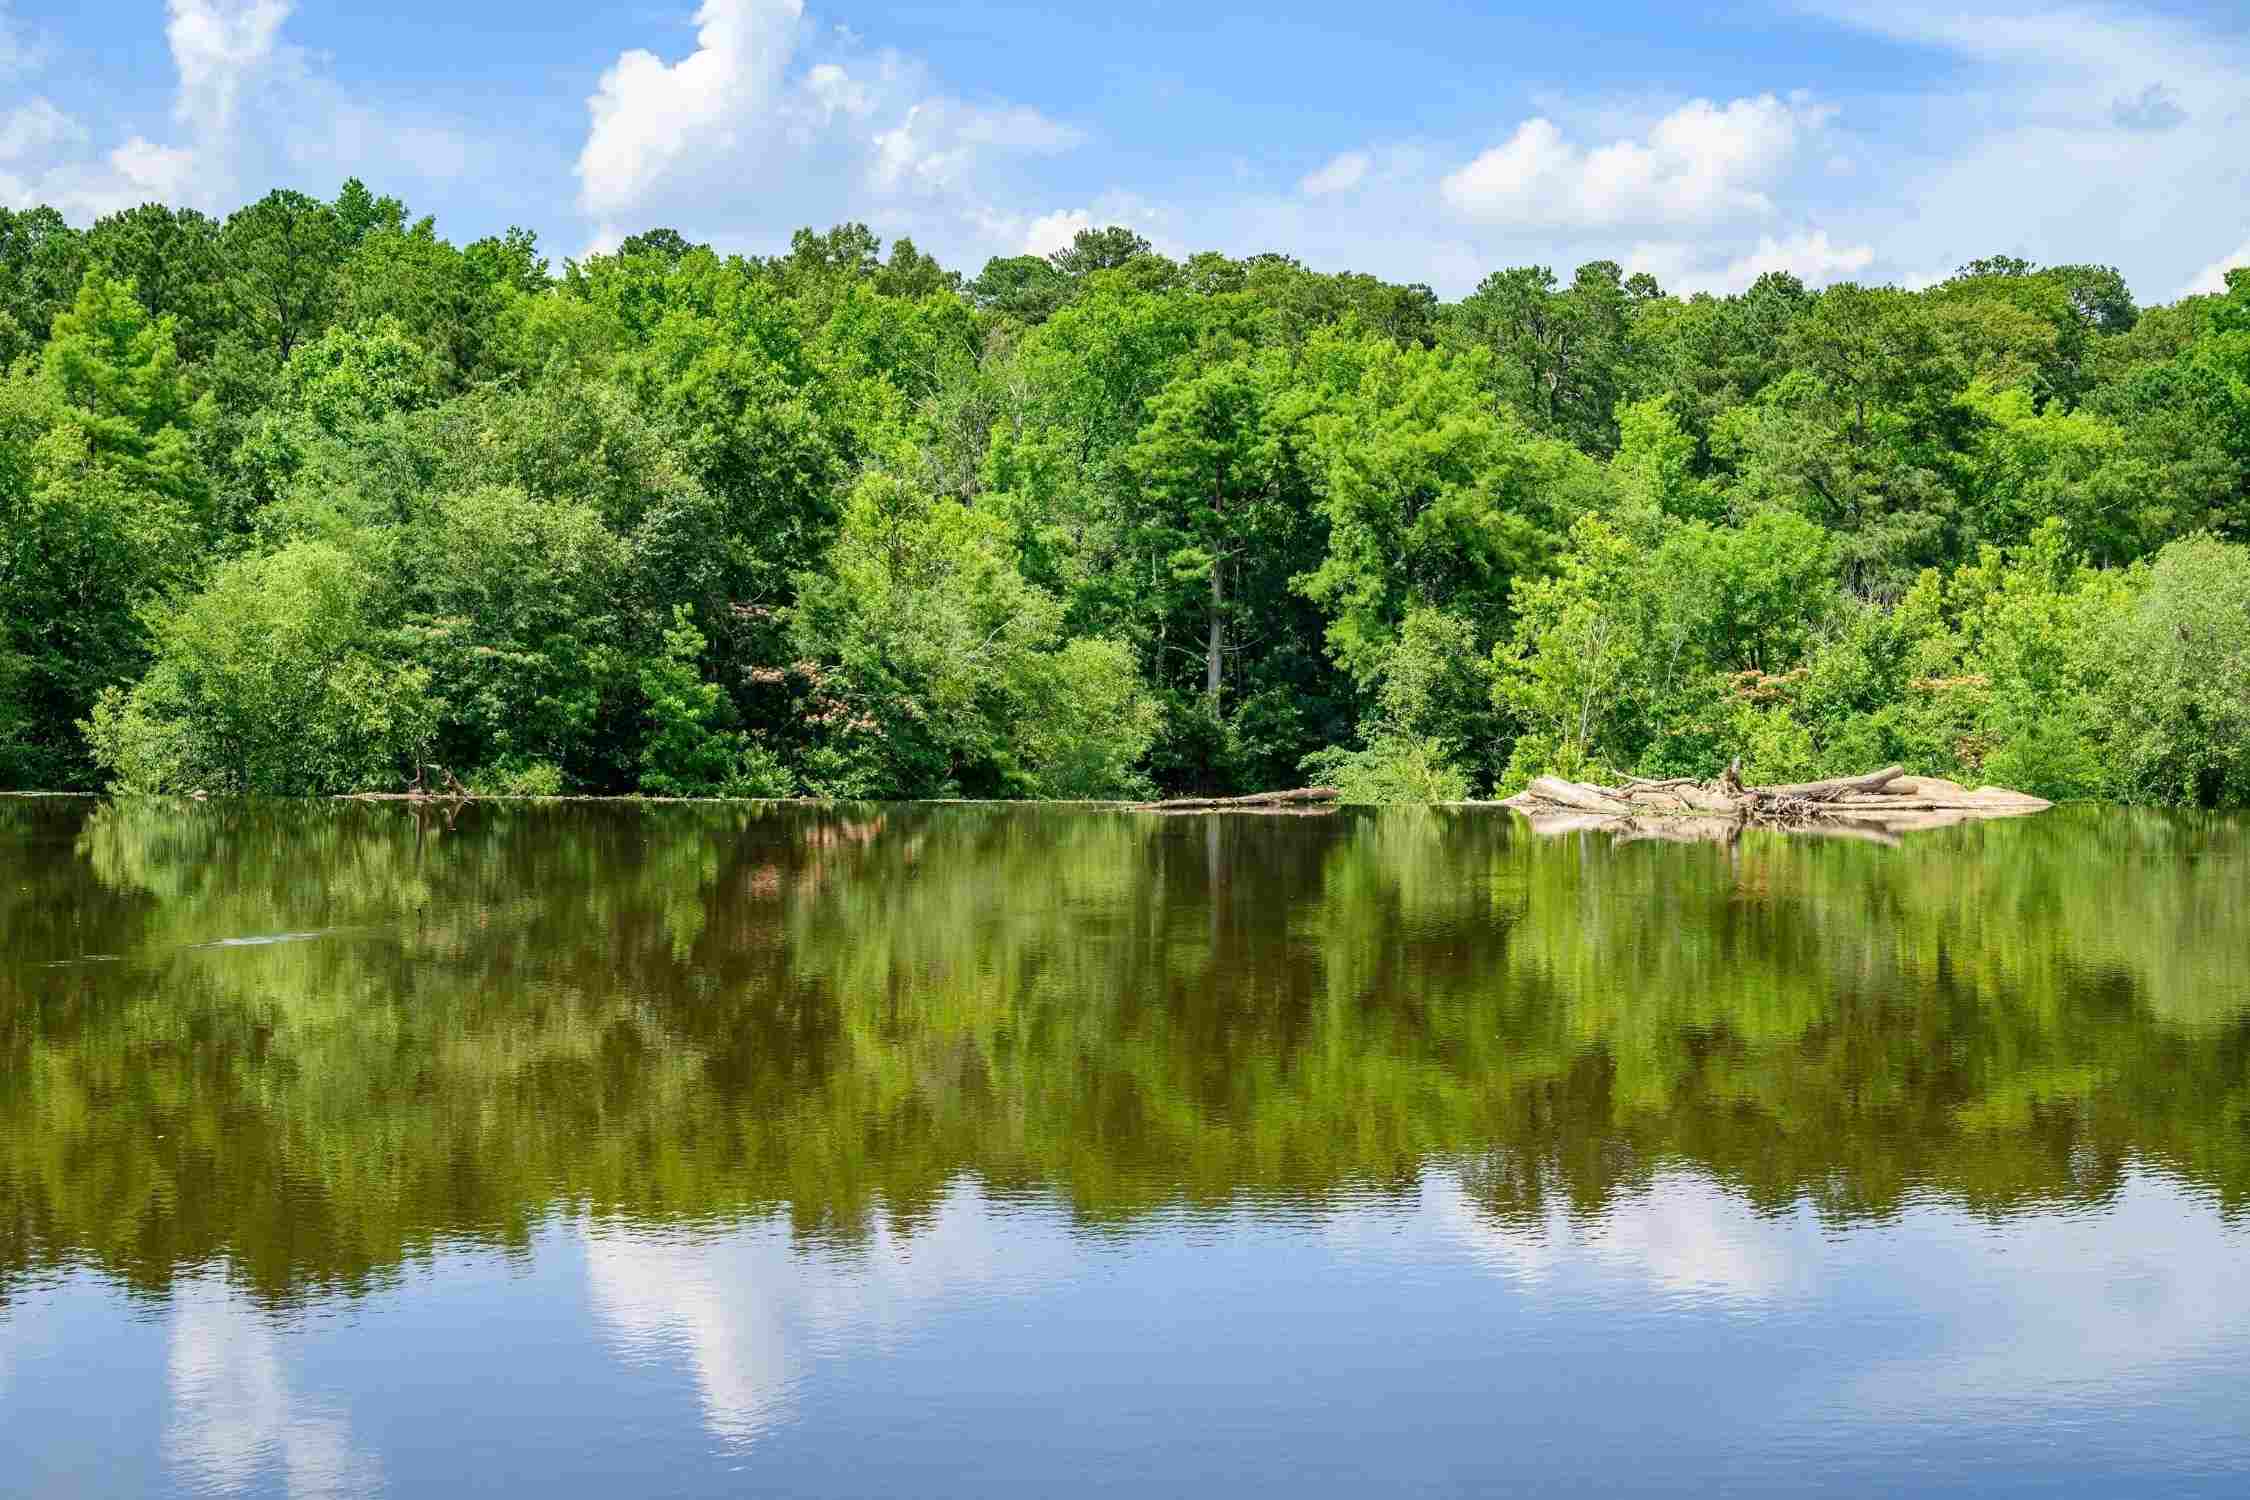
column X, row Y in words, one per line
column 1420, row 140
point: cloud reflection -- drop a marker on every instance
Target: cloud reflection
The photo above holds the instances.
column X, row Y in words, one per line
column 1937, row 1321
column 2111, row 1306
column 1685, row 1236
column 751, row 1311
column 234, row 1415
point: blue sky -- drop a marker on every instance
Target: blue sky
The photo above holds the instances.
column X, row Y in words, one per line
column 1421, row 139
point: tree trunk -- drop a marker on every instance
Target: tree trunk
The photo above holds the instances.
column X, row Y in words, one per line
column 1573, row 794
column 1214, row 655
column 1301, row 797
column 1830, row 790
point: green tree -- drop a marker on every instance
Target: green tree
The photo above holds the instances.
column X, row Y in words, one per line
column 934, row 648
column 1213, row 466
column 172, row 259
column 1567, row 667
column 689, row 753
column 1433, row 499
column 284, row 256
column 102, row 499
column 510, row 609
column 2178, row 698
column 274, row 679
column 42, row 262
column 117, row 380
column 1563, row 356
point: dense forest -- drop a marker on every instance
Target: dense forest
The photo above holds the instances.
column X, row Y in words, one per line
column 310, row 498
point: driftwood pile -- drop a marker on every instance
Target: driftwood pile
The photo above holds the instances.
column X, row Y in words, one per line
column 1879, row 804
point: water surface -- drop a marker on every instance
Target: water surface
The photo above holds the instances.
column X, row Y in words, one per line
column 599, row 1150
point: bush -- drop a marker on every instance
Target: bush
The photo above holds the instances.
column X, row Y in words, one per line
column 1393, row 769
column 269, row 681
column 518, row 778
column 2177, row 709
column 1087, row 722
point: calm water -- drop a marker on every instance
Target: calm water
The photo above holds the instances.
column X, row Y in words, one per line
column 604, row 1151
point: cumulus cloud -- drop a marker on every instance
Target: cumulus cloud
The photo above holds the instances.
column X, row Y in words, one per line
column 1340, row 175
column 2213, row 277
column 2093, row 132
column 797, row 125
column 747, row 1311
column 220, row 49
column 249, row 111
column 1051, row 232
column 1811, row 257
column 1701, row 163
column 1687, row 267
column 235, row 1416
column 1045, row 233
column 648, row 114
column 2153, row 108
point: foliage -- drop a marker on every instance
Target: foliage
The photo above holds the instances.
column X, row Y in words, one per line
column 846, row 521
column 272, row 681
column 1394, row 768
column 946, row 673
column 688, row 754
column 2178, row 690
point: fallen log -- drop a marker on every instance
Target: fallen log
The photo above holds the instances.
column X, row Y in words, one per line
column 1572, row 794
column 1835, row 786
column 1704, row 799
column 1302, row 795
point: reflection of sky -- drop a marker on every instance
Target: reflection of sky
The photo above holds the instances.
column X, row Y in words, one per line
column 1678, row 1340
column 749, row 1312
column 2068, row 1316
column 235, row 1420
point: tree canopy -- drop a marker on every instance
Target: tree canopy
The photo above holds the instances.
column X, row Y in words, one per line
column 842, row 520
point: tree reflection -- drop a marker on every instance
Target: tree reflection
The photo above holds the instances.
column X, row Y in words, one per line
column 691, row 1014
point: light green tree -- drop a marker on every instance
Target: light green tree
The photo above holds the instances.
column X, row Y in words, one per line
column 273, row 679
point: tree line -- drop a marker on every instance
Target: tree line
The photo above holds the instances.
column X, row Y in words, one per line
column 309, row 498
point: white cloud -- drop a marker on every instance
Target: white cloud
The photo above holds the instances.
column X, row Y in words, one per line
column 34, row 126
column 250, row 111
column 647, row 114
column 223, row 52
column 1701, row 163
column 2087, row 133
column 220, row 49
column 1685, row 267
column 2213, row 277
column 797, row 125
column 1685, row 1235
column 1051, row 232
column 153, row 172
column 747, row 1311
column 1340, row 175
column 935, row 147
column 1810, row 256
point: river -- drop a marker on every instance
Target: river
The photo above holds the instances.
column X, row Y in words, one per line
column 602, row 1149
